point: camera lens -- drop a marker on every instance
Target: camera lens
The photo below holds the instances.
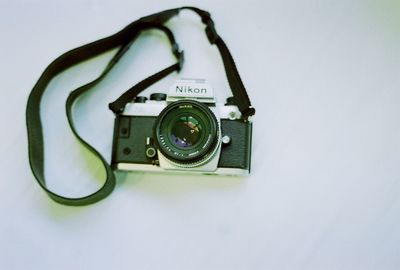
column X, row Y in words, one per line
column 187, row 132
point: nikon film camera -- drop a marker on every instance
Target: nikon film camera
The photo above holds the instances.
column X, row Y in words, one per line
column 185, row 131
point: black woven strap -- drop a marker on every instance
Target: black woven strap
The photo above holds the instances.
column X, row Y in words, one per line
column 123, row 40
column 239, row 92
column 240, row 97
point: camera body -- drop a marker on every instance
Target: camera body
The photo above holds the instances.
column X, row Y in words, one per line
column 185, row 131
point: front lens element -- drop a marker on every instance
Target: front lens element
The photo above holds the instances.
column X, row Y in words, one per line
column 186, row 131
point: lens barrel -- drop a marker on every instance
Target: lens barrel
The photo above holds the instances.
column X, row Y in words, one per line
column 187, row 132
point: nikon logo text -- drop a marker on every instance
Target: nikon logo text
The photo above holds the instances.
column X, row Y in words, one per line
column 190, row 90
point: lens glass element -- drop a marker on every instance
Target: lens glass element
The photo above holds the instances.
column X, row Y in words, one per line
column 186, row 131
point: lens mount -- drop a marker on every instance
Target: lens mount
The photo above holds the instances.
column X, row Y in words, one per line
column 187, row 133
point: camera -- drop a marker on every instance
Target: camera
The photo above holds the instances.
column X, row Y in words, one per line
column 184, row 131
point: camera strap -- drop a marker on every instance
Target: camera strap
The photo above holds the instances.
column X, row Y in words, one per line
column 239, row 92
column 121, row 40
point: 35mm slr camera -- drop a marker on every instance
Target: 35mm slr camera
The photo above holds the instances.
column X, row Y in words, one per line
column 184, row 131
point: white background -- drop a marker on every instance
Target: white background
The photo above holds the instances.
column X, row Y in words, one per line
column 324, row 192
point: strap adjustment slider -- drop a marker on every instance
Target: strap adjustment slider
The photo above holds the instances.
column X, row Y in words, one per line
column 211, row 32
column 179, row 55
column 210, row 28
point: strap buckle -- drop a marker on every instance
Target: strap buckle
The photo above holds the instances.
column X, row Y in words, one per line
column 210, row 28
column 206, row 19
column 178, row 54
